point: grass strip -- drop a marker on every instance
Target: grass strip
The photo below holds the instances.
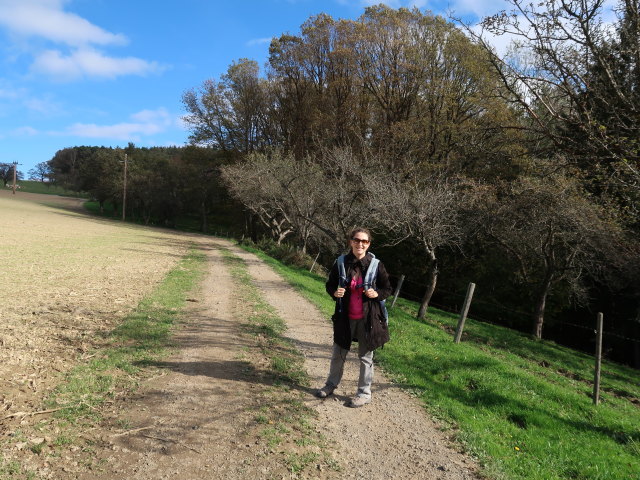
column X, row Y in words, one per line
column 141, row 339
column 114, row 369
column 33, row 186
column 522, row 407
column 283, row 420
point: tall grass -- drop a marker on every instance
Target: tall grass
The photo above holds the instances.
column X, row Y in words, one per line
column 522, row 407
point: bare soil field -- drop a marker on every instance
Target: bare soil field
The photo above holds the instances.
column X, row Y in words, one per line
column 68, row 276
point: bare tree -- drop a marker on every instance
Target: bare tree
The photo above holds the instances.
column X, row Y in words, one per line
column 425, row 209
column 553, row 232
column 255, row 182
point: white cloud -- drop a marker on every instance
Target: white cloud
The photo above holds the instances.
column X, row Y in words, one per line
column 9, row 94
column 24, row 132
column 73, row 42
column 88, row 62
column 159, row 115
column 44, row 106
column 47, row 19
column 478, row 8
column 258, row 41
column 144, row 123
column 120, row 131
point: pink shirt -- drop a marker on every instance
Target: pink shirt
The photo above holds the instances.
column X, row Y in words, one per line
column 355, row 300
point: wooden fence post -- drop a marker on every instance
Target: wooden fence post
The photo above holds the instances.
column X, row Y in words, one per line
column 397, row 292
column 596, row 381
column 464, row 311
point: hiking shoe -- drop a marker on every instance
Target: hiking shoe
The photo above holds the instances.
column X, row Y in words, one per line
column 324, row 392
column 359, row 401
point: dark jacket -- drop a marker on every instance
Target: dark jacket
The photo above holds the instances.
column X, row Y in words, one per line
column 375, row 326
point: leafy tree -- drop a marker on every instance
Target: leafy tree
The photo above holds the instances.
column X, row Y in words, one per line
column 40, row 172
column 230, row 114
column 6, row 173
column 198, row 177
column 66, row 165
column 101, row 175
column 575, row 78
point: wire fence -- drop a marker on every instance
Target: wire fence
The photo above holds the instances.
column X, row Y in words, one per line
column 495, row 305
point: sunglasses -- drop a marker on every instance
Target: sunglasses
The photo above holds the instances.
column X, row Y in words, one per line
column 360, row 240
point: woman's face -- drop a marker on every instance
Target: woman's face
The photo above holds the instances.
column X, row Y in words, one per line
column 359, row 244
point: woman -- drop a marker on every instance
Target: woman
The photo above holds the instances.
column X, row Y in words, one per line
column 358, row 316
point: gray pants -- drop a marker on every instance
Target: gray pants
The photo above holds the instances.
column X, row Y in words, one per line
column 339, row 356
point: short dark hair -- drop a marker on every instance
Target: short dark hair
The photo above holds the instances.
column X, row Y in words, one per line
column 359, row 230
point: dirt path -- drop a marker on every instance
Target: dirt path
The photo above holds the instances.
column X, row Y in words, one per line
column 196, row 421
column 390, row 438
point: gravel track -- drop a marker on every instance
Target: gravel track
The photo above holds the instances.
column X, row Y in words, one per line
column 196, row 420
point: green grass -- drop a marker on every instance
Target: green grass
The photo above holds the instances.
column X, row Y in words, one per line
column 287, row 364
column 32, row 186
column 13, row 469
column 522, row 407
column 139, row 340
column 284, row 422
column 93, row 207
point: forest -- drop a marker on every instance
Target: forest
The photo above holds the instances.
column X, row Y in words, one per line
column 517, row 171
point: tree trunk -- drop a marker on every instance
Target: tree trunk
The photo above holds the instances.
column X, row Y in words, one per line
column 282, row 235
column 204, row 226
column 541, row 303
column 636, row 345
column 253, row 228
column 432, row 278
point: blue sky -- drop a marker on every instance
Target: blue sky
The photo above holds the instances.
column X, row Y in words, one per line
column 107, row 72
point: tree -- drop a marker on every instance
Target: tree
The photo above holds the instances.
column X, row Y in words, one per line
column 322, row 194
column 423, row 209
column 153, row 186
column 554, row 233
column 40, row 172
column 66, row 164
column 576, row 80
column 6, row 173
column 199, row 180
column 257, row 183
column 230, row 114
column 101, row 175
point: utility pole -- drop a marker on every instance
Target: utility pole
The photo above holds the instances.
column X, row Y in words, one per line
column 15, row 176
column 124, row 190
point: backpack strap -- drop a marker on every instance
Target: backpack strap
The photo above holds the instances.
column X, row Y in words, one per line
column 342, row 274
column 370, row 282
column 372, row 273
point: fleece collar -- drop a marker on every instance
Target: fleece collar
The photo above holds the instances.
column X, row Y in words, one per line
column 364, row 262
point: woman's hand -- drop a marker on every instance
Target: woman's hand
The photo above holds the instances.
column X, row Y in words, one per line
column 371, row 293
column 339, row 293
